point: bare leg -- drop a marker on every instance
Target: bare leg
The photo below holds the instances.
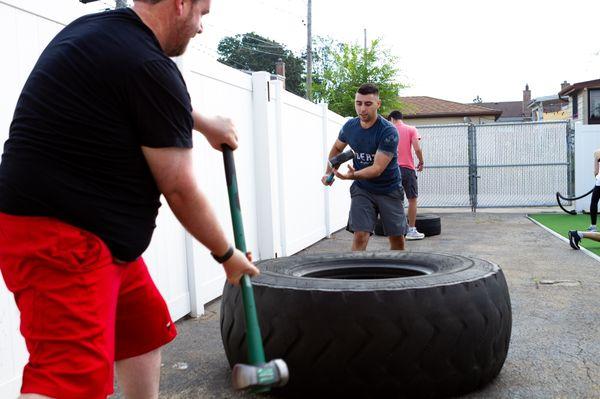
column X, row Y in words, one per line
column 33, row 396
column 594, row 205
column 139, row 376
column 591, row 236
column 396, row 243
column 360, row 241
column 412, row 212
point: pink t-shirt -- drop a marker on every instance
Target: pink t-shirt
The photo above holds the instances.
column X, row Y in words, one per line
column 406, row 134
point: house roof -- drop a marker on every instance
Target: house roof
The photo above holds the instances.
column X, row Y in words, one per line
column 428, row 107
column 575, row 87
column 548, row 98
column 509, row 109
column 543, row 99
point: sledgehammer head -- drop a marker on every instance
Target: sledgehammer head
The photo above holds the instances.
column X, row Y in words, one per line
column 341, row 158
column 272, row 374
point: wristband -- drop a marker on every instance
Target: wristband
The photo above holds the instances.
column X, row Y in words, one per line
column 225, row 257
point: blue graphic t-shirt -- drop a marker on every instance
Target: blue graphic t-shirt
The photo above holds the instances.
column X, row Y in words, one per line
column 382, row 136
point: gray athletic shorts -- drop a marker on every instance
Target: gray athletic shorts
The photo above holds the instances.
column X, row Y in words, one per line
column 365, row 207
column 409, row 182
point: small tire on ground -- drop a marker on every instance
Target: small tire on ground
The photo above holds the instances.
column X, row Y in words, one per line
column 428, row 224
column 377, row 325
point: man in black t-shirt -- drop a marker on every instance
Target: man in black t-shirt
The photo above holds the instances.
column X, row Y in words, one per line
column 102, row 128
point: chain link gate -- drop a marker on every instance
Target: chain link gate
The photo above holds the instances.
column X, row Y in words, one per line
column 496, row 165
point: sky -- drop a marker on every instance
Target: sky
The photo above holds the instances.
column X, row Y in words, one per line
column 454, row 50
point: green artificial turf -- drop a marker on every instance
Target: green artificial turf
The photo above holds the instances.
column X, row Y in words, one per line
column 561, row 223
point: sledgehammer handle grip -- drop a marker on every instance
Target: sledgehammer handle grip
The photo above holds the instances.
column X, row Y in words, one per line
column 256, row 352
column 330, row 178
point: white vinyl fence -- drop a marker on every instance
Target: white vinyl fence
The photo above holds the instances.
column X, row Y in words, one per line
column 284, row 141
column 587, row 140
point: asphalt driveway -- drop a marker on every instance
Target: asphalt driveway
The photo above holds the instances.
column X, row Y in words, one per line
column 555, row 294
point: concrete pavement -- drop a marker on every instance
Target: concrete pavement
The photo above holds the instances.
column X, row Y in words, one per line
column 555, row 294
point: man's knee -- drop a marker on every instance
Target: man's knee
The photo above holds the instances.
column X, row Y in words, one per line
column 397, row 243
column 361, row 240
column 361, row 236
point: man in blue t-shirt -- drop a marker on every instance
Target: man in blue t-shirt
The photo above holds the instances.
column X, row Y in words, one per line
column 378, row 187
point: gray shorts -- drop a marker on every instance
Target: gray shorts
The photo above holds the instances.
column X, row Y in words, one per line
column 365, row 207
column 409, row 182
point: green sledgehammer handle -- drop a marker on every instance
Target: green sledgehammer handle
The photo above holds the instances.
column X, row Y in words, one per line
column 256, row 352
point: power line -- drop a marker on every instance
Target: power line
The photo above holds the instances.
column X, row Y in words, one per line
column 260, row 51
column 212, row 53
column 271, row 8
column 242, row 46
column 215, row 56
column 232, row 33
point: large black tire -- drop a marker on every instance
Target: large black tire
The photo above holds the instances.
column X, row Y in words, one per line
column 428, row 224
column 377, row 325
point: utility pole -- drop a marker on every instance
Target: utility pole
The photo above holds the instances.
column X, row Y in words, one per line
column 365, row 49
column 309, row 51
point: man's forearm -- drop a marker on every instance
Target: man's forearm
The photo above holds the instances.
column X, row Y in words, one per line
column 419, row 154
column 198, row 121
column 332, row 153
column 369, row 172
column 194, row 212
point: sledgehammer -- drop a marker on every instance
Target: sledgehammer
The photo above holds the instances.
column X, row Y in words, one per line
column 336, row 161
column 259, row 376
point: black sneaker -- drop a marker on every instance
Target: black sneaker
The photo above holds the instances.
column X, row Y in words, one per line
column 574, row 239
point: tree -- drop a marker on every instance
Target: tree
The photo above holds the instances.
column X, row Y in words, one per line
column 323, row 50
column 252, row 52
column 347, row 66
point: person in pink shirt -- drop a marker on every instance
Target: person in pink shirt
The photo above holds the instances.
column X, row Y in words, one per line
column 408, row 140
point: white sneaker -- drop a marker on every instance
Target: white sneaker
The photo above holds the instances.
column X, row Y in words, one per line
column 592, row 229
column 413, row 234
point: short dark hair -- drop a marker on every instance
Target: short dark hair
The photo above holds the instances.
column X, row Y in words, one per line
column 368, row 88
column 395, row 114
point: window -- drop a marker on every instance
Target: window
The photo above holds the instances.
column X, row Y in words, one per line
column 594, row 102
column 575, row 106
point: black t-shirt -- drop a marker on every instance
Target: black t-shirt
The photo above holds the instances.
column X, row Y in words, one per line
column 100, row 90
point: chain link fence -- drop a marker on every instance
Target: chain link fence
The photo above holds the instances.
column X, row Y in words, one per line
column 495, row 165
column 444, row 181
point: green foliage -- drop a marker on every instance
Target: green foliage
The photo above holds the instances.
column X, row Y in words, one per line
column 252, row 52
column 323, row 50
column 344, row 67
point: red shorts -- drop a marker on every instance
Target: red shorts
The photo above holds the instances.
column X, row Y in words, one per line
column 80, row 311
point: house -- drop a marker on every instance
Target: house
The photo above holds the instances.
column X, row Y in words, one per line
column 584, row 101
column 512, row 111
column 424, row 110
column 548, row 108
